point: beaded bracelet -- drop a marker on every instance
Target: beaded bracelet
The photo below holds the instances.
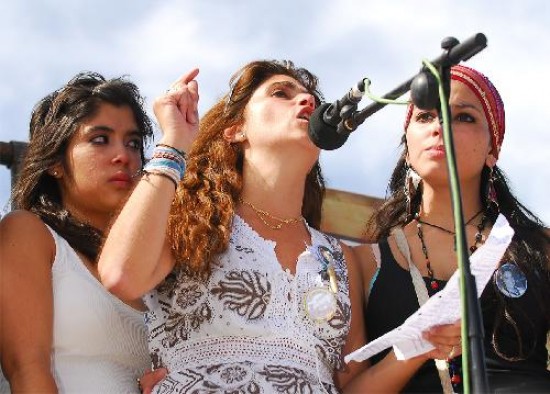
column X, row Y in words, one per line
column 155, row 172
column 167, row 161
column 181, row 153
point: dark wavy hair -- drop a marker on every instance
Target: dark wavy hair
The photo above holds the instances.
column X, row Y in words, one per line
column 529, row 246
column 54, row 121
column 199, row 225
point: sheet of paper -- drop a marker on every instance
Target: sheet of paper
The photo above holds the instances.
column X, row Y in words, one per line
column 443, row 307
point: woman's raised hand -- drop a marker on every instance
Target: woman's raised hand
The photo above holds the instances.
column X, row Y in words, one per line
column 177, row 112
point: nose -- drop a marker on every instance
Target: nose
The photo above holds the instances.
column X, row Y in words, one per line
column 435, row 127
column 121, row 154
column 308, row 100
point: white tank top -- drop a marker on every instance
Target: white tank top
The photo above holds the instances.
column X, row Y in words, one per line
column 99, row 343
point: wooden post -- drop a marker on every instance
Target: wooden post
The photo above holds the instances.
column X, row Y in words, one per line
column 11, row 156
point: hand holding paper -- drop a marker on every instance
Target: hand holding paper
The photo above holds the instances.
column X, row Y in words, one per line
column 444, row 307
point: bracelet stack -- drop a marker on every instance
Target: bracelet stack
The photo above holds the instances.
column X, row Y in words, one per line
column 167, row 161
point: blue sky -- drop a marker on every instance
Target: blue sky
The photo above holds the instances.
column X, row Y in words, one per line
column 153, row 42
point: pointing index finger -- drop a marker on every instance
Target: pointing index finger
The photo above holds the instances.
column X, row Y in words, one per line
column 187, row 77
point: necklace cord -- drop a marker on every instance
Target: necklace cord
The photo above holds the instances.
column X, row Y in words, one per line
column 264, row 215
column 443, row 228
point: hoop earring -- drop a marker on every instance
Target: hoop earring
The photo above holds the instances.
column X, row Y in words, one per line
column 412, row 182
column 491, row 194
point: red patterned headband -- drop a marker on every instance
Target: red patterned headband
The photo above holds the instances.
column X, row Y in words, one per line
column 490, row 99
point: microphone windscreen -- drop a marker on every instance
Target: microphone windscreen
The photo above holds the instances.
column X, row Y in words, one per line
column 323, row 134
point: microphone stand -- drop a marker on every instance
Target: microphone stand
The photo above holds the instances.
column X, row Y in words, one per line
column 459, row 52
column 473, row 356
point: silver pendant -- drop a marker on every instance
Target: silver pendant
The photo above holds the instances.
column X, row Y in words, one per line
column 324, row 255
column 511, row 280
column 320, row 304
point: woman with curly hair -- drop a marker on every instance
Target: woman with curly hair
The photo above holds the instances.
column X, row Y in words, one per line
column 244, row 293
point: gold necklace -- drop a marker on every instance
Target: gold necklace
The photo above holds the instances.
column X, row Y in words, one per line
column 263, row 215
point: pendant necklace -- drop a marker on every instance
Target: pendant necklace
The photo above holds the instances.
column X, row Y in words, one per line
column 434, row 285
column 454, row 365
column 320, row 302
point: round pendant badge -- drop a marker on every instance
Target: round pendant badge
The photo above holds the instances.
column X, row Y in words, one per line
column 320, row 304
column 511, row 280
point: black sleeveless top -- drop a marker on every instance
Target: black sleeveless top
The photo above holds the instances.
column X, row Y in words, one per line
column 392, row 300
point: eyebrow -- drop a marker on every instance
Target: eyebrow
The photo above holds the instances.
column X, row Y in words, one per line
column 289, row 85
column 103, row 128
column 467, row 105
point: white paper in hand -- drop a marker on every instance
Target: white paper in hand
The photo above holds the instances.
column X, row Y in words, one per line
column 443, row 307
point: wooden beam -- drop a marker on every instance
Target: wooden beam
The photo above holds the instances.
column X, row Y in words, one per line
column 345, row 214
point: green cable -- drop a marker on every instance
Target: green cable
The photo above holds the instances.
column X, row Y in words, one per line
column 457, row 213
column 457, row 209
column 380, row 100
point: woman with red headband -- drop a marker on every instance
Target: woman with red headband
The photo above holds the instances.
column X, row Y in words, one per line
column 515, row 308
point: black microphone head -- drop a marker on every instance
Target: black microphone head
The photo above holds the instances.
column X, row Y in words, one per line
column 424, row 91
column 323, row 134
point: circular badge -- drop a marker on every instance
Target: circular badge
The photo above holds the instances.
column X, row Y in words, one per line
column 511, row 280
column 320, row 304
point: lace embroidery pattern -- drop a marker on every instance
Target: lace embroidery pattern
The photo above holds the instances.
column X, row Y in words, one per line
column 245, row 292
column 245, row 328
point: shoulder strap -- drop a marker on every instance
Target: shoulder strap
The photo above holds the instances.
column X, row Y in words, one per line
column 418, row 281
column 422, row 295
column 377, row 255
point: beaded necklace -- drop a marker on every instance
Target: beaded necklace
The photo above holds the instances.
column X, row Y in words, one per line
column 477, row 241
column 264, row 215
column 454, row 364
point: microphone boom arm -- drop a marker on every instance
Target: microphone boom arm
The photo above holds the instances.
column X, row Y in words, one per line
column 460, row 52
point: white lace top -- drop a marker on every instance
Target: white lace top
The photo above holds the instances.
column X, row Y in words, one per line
column 246, row 329
column 99, row 343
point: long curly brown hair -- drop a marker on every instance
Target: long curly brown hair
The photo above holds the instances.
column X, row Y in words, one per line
column 200, row 220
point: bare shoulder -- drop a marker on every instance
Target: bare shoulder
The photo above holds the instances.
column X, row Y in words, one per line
column 349, row 255
column 25, row 223
column 366, row 256
column 24, row 235
column 365, row 253
column 367, row 260
column 353, row 264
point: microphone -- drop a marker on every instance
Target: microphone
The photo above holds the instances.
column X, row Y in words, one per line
column 328, row 128
column 331, row 124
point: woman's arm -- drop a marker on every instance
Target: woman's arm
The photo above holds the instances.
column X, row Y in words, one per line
column 391, row 375
column 136, row 255
column 27, row 251
column 356, row 335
